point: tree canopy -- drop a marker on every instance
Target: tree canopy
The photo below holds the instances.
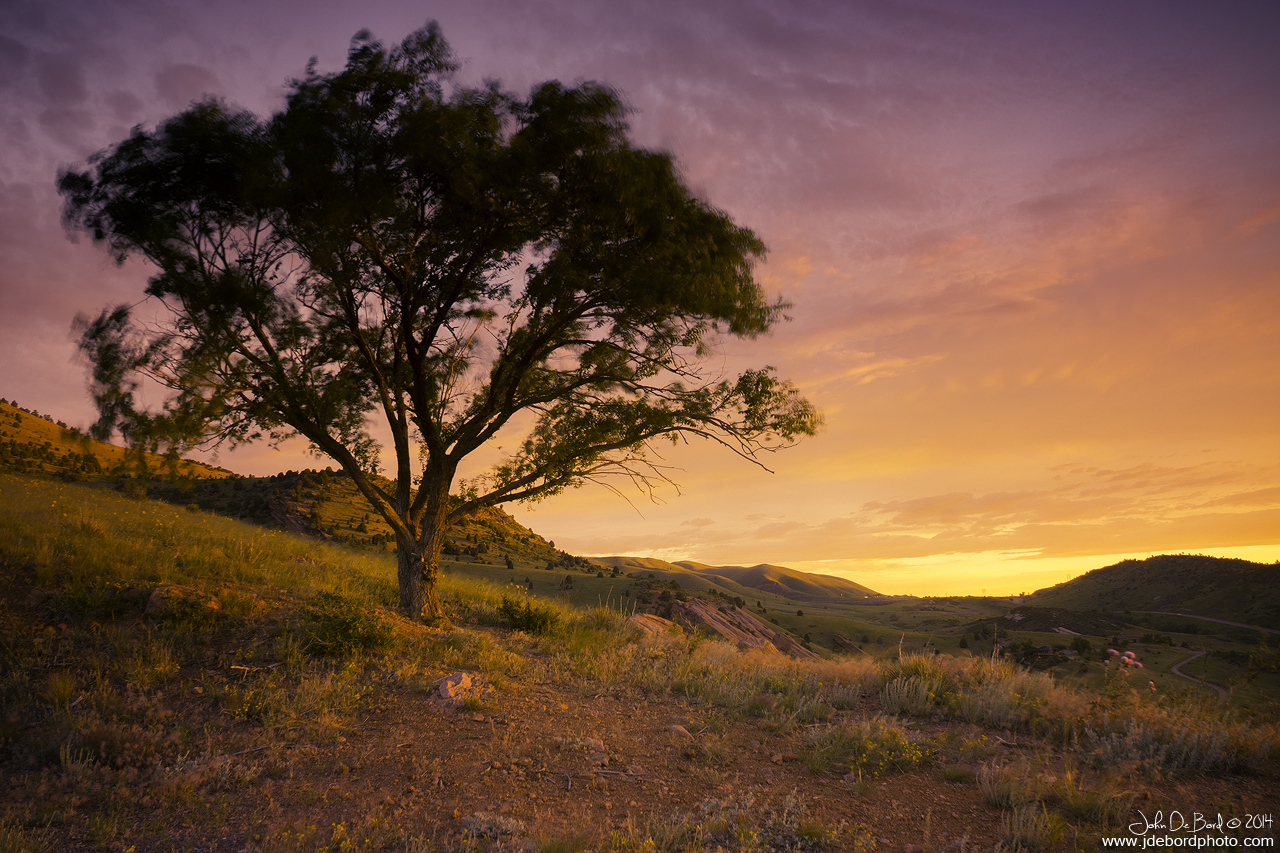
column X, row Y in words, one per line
column 445, row 261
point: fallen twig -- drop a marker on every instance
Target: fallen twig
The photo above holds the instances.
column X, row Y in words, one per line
column 631, row 777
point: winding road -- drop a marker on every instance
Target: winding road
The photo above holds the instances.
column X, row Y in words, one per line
column 1211, row 619
column 1176, row 669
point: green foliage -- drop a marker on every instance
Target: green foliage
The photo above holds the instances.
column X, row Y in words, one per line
column 870, row 748
column 528, row 616
column 334, row 626
column 298, row 257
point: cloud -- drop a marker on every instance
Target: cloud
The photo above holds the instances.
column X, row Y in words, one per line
column 14, row 56
column 67, row 126
column 779, row 529
column 61, row 79
column 1013, row 238
column 181, row 83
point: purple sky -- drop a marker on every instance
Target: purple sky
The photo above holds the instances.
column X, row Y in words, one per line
column 1033, row 249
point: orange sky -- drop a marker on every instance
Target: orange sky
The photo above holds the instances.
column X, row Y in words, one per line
column 1034, row 257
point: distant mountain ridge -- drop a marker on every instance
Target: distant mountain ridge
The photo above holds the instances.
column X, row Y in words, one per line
column 744, row 580
column 1194, row 584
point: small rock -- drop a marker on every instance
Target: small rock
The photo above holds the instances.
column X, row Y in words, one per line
column 592, row 743
column 913, row 848
column 171, row 600
column 455, row 689
column 776, row 758
column 598, row 759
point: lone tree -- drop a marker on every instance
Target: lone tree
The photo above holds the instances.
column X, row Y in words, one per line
column 397, row 253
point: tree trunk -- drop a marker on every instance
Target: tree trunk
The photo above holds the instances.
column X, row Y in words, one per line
column 419, row 572
column 419, row 563
column 409, row 574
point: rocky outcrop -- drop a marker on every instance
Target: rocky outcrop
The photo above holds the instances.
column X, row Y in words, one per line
column 737, row 626
column 650, row 624
column 844, row 643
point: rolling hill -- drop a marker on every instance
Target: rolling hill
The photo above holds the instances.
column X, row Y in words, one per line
column 32, row 443
column 1192, row 584
column 747, row 580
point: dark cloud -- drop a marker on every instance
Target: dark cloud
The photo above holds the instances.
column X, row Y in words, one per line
column 67, row 126
column 13, row 60
column 180, row 84
column 61, row 79
column 125, row 106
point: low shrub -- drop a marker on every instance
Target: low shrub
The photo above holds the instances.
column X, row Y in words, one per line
column 1149, row 737
column 528, row 616
column 870, row 747
column 1007, row 785
column 334, row 625
column 911, row 694
column 1031, row 827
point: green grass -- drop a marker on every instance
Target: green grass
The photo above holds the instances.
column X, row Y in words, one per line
column 93, row 544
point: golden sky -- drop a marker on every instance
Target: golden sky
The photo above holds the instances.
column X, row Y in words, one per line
column 1033, row 256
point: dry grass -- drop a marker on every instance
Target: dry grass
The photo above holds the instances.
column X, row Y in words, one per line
column 99, row 736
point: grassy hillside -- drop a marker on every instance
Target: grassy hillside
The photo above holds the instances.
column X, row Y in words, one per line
column 1234, row 590
column 790, row 583
column 35, row 443
column 327, row 504
column 277, row 703
column 796, row 585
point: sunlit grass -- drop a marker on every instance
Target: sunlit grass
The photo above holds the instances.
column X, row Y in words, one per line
column 90, row 537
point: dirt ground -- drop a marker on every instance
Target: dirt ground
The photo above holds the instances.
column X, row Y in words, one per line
column 536, row 763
